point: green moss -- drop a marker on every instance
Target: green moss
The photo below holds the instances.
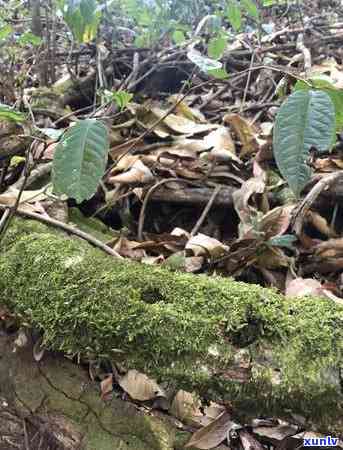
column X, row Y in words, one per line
column 167, row 324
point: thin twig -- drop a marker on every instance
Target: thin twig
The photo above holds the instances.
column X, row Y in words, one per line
column 247, row 83
column 68, row 228
column 146, row 200
column 205, row 211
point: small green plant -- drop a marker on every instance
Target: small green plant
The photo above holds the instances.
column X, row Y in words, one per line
column 82, row 17
column 121, row 98
column 80, row 160
column 305, row 120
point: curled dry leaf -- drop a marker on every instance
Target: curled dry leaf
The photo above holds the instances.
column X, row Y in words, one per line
column 181, row 125
column 333, row 248
column 249, row 442
column 202, row 245
column 278, row 433
column 301, row 287
column 194, row 263
column 21, row 340
column 182, row 109
column 9, row 197
column 186, row 407
column 129, row 249
column 247, row 134
column 137, row 174
column 320, row 223
column 223, row 147
column 241, row 199
column 276, row 222
column 124, row 163
column 211, row 435
column 106, row 386
column 140, row 387
column 38, row 349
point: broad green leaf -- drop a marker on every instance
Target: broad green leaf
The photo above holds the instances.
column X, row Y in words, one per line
column 234, row 15
column 251, row 8
column 88, row 10
column 80, row 160
column 305, row 120
column 8, row 113
column 336, row 95
column 178, row 37
column 205, row 64
column 216, row 47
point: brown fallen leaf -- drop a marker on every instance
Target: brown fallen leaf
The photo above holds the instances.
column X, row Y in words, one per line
column 186, row 407
column 140, row 387
column 106, row 386
column 202, row 245
column 223, row 147
column 38, row 349
column 181, row 125
column 320, row 223
column 137, row 174
column 278, row 433
column 241, row 198
column 301, row 287
column 248, row 441
column 247, row 134
column 211, row 435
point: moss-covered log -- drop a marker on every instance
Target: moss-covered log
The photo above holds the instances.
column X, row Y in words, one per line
column 230, row 341
column 54, row 405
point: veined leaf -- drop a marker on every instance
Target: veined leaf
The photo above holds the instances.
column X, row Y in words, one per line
column 234, row 15
column 251, row 8
column 80, row 160
column 178, row 37
column 216, row 47
column 306, row 119
column 334, row 93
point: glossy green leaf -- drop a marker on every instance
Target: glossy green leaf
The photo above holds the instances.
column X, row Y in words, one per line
column 216, row 47
column 336, row 95
column 305, row 120
column 178, row 37
column 234, row 15
column 82, row 17
column 251, row 8
column 80, row 160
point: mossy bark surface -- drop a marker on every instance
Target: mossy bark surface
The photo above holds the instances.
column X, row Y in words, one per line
column 62, row 408
column 229, row 341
